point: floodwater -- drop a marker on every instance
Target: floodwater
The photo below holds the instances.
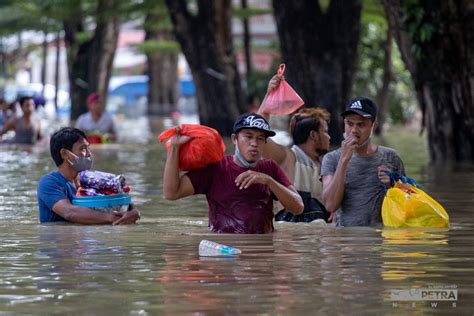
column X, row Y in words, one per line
column 153, row 268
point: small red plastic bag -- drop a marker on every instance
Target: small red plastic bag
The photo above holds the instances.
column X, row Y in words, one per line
column 205, row 147
column 283, row 100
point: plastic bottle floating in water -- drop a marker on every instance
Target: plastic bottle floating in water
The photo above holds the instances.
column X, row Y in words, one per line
column 209, row 248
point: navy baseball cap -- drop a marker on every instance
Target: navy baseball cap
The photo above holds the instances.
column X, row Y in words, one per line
column 254, row 121
column 362, row 106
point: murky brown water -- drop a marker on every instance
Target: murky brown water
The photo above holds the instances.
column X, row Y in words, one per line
column 153, row 267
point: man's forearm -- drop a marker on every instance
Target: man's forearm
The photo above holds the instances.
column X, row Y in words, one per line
column 87, row 216
column 290, row 199
column 333, row 193
column 171, row 173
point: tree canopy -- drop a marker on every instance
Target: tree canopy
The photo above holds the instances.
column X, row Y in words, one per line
column 333, row 49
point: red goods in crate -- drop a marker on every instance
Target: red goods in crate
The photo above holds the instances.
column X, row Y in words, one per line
column 94, row 139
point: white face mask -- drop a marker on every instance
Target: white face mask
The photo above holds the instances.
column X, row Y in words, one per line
column 242, row 160
column 367, row 141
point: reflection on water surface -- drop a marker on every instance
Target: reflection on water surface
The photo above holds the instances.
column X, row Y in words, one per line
column 153, row 267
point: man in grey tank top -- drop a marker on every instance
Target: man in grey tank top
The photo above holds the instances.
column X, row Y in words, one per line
column 354, row 178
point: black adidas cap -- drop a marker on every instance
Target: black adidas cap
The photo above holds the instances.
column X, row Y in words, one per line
column 362, row 106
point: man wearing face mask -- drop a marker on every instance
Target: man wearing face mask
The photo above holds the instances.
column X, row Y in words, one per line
column 354, row 176
column 240, row 189
column 70, row 151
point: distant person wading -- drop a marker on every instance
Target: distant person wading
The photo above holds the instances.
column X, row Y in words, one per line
column 98, row 125
column 27, row 127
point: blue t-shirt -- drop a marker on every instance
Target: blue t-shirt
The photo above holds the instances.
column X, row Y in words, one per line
column 52, row 188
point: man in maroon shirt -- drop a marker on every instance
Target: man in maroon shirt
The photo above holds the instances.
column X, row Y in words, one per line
column 240, row 189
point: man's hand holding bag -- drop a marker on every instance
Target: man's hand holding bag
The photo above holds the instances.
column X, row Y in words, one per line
column 283, row 99
column 408, row 206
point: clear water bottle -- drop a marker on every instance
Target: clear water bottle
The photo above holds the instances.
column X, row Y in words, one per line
column 209, row 248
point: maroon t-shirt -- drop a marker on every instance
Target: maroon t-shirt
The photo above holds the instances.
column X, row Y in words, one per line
column 246, row 211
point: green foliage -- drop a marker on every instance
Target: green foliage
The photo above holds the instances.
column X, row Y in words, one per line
column 257, row 83
column 83, row 37
column 246, row 13
column 15, row 18
column 419, row 30
column 368, row 78
column 324, row 4
column 159, row 25
column 410, row 144
column 159, row 46
column 258, row 80
column 369, row 70
column 156, row 9
column 48, row 15
column 373, row 10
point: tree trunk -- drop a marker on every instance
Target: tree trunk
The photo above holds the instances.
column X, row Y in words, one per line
column 3, row 68
column 247, row 44
column 44, row 65
column 319, row 49
column 206, row 41
column 20, row 41
column 3, row 62
column 439, row 53
column 90, row 62
column 383, row 93
column 57, row 69
column 162, row 74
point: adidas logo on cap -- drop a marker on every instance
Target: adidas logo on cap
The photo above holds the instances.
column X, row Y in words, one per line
column 356, row 105
column 362, row 106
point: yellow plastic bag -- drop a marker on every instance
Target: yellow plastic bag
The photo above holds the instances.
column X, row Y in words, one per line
column 407, row 206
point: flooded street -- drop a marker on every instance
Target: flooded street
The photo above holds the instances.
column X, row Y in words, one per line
column 153, row 268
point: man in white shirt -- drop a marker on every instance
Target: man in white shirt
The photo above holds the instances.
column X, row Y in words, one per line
column 98, row 125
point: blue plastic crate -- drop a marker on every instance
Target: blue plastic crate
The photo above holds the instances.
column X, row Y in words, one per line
column 105, row 203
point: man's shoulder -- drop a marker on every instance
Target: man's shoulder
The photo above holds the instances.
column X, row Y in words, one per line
column 52, row 177
column 387, row 150
column 207, row 169
column 223, row 163
column 268, row 163
column 107, row 118
column 83, row 118
column 332, row 155
column 49, row 176
column 334, row 152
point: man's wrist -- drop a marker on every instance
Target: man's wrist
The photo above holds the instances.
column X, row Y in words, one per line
column 137, row 211
column 270, row 182
column 111, row 218
column 132, row 208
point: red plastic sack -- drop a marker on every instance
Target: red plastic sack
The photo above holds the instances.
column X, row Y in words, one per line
column 205, row 147
column 282, row 100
